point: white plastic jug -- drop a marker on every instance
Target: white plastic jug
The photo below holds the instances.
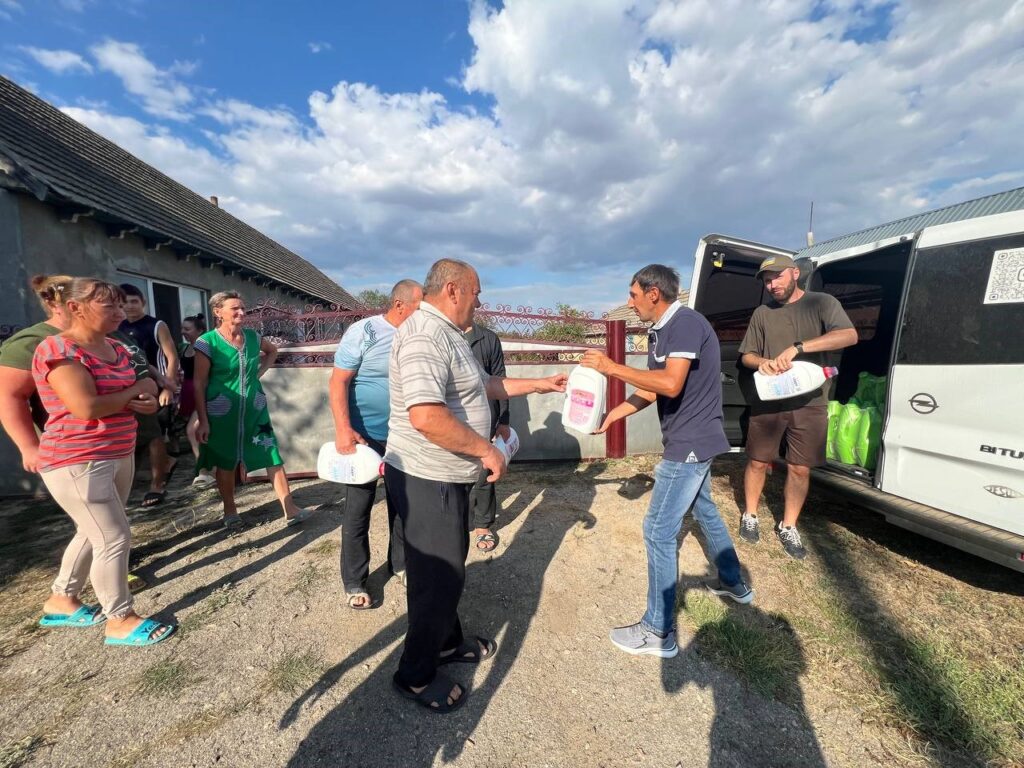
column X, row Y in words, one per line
column 802, row 378
column 363, row 466
column 585, row 396
column 509, row 447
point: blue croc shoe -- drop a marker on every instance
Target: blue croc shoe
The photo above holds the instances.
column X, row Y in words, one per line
column 144, row 634
column 86, row 616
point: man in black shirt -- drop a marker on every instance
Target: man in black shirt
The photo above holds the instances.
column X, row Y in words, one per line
column 483, row 501
column 153, row 337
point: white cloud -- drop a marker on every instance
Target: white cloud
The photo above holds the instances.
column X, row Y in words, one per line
column 318, row 47
column 162, row 95
column 8, row 8
column 59, row 62
column 653, row 123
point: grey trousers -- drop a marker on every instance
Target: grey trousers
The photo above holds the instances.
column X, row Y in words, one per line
column 94, row 495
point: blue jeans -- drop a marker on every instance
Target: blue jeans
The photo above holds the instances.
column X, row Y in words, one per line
column 678, row 489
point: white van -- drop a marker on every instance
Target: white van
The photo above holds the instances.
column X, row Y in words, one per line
column 938, row 302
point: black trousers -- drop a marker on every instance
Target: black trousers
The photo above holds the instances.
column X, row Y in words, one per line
column 483, row 501
column 435, row 515
column 355, row 532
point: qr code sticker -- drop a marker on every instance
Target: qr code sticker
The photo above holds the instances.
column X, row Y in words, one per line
column 1006, row 278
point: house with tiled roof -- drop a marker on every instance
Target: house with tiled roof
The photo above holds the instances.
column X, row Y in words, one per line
column 72, row 202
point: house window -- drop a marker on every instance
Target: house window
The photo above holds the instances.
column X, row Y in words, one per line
column 169, row 302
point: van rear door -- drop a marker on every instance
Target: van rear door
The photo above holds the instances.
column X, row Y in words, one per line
column 954, row 437
column 725, row 290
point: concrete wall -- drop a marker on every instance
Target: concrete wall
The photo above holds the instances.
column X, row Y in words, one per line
column 302, row 419
column 34, row 241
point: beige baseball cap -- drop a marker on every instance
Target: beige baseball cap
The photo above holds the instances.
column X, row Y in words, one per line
column 776, row 264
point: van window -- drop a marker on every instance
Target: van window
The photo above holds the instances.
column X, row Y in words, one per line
column 729, row 299
column 946, row 321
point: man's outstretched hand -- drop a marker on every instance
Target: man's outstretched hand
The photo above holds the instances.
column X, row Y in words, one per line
column 554, row 383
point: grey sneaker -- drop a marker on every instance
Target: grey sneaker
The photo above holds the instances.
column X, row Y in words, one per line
column 750, row 529
column 790, row 539
column 639, row 641
column 739, row 592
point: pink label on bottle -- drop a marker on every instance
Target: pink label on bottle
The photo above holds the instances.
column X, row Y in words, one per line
column 581, row 404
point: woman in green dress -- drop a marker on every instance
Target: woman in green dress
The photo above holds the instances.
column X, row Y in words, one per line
column 234, row 423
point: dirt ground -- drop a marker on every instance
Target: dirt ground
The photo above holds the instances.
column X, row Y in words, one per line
column 830, row 666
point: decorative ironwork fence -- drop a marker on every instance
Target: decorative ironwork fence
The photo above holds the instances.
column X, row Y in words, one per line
column 308, row 336
column 528, row 335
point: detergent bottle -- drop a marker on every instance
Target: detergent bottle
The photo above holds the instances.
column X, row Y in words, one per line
column 509, row 447
column 802, row 378
column 585, row 396
column 363, row 466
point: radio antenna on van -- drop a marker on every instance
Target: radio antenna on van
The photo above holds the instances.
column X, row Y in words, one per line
column 810, row 227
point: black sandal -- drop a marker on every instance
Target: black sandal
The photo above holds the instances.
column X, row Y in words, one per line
column 471, row 652
column 435, row 696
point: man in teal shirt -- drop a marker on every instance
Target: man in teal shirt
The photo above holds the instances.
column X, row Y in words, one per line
column 360, row 403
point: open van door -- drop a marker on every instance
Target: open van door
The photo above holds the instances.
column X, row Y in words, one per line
column 954, row 437
column 724, row 289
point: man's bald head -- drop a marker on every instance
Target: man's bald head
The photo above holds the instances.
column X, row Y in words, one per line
column 446, row 271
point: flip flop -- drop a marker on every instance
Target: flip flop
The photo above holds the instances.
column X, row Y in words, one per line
column 301, row 516
column 489, row 539
column 85, row 616
column 153, row 499
column 434, row 694
column 471, row 652
column 143, row 634
column 359, row 593
column 233, row 523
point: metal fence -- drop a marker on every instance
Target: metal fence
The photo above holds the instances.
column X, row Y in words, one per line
column 307, row 337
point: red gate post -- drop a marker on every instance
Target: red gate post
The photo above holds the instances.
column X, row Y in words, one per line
column 615, row 437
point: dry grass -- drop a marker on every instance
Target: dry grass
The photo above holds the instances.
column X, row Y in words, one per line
column 295, row 670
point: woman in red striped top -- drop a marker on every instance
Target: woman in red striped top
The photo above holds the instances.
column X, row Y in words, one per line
column 88, row 386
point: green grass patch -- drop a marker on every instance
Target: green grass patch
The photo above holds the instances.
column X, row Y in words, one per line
column 327, row 547
column 295, row 670
column 307, row 580
column 16, row 753
column 976, row 708
column 759, row 648
column 166, row 678
column 216, row 602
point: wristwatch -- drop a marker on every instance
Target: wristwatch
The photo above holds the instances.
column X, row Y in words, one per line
column 799, row 347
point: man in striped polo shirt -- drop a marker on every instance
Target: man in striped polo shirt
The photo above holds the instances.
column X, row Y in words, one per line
column 438, row 441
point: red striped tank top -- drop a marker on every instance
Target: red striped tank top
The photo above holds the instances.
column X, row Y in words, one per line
column 69, row 440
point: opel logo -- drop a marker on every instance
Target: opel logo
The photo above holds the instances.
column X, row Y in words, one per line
column 923, row 403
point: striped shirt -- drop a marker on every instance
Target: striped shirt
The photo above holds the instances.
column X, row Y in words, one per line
column 66, row 439
column 432, row 363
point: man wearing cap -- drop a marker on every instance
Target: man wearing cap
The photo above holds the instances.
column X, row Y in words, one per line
column 794, row 325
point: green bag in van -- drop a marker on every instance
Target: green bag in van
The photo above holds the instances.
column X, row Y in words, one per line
column 869, row 438
column 847, row 432
column 834, row 407
column 865, row 394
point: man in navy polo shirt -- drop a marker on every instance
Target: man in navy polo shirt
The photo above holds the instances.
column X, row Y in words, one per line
column 685, row 380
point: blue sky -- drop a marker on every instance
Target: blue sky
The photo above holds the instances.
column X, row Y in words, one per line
column 557, row 144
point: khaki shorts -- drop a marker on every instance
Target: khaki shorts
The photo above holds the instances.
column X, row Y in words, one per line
column 805, row 431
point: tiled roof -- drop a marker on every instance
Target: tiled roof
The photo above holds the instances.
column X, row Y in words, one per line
column 62, row 161
column 1011, row 200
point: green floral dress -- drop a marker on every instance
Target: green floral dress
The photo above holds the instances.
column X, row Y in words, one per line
column 236, row 407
